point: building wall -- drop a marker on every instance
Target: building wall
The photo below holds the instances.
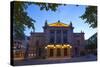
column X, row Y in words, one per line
column 68, row 35
column 18, row 50
column 37, row 45
column 79, row 43
column 38, row 41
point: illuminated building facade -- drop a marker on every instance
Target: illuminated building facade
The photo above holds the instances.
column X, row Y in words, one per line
column 20, row 47
column 18, row 50
column 56, row 41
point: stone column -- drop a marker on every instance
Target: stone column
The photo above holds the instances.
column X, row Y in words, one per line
column 62, row 52
column 68, row 51
column 55, row 51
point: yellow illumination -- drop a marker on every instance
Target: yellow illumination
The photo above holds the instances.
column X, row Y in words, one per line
column 62, row 46
column 45, row 47
column 58, row 24
column 70, row 46
column 58, row 46
column 54, row 47
column 50, row 46
column 65, row 45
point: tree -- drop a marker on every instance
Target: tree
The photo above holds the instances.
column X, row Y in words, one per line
column 20, row 18
column 90, row 16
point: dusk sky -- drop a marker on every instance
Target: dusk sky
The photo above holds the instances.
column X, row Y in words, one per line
column 66, row 14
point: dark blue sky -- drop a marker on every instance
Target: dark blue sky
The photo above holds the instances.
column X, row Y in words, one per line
column 65, row 14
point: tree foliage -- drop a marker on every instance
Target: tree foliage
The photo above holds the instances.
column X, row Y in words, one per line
column 20, row 18
column 47, row 6
column 90, row 16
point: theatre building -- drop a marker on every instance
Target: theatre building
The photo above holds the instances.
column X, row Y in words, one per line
column 56, row 41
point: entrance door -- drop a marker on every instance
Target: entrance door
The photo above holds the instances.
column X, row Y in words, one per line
column 58, row 52
column 51, row 52
column 65, row 52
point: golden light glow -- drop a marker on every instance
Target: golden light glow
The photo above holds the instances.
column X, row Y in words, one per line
column 65, row 45
column 58, row 46
column 59, row 24
column 70, row 46
column 45, row 47
column 50, row 45
column 62, row 46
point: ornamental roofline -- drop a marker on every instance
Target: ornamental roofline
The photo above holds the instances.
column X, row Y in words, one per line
column 58, row 24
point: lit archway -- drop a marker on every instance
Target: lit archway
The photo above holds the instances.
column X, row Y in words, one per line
column 58, row 50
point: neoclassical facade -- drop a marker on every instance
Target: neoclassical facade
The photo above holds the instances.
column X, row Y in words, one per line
column 56, row 41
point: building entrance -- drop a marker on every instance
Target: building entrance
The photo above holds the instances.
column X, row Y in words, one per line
column 58, row 51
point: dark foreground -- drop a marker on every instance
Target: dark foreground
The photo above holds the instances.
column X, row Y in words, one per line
column 54, row 61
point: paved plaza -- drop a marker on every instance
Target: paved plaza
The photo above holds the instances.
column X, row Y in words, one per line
column 53, row 61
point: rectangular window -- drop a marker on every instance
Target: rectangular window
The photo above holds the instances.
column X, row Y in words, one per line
column 65, row 36
column 58, row 39
column 58, row 36
column 51, row 39
column 64, row 39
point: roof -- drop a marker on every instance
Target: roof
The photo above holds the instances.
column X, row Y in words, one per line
column 58, row 24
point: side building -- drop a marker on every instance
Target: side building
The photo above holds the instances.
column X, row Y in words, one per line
column 20, row 47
